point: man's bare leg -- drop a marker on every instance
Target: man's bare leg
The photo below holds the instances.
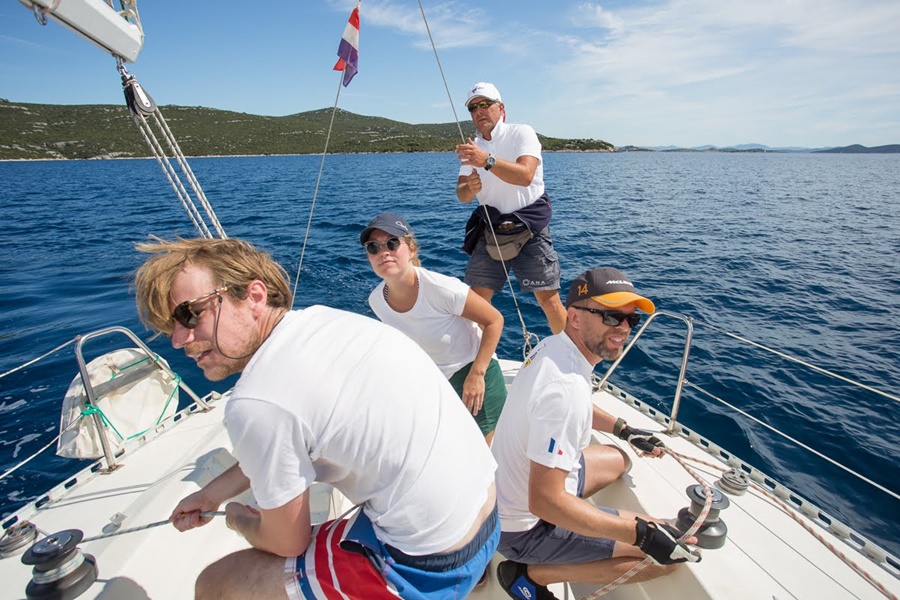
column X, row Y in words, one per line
column 553, row 309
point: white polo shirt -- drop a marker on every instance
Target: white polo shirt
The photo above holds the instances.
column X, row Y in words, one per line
column 509, row 141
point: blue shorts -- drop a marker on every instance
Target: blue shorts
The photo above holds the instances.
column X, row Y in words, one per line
column 346, row 560
column 547, row 544
column 536, row 267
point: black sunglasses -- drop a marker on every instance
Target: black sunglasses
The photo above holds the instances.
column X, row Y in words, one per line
column 374, row 247
column 483, row 104
column 185, row 315
column 613, row 318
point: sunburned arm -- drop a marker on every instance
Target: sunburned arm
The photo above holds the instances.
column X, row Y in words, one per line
column 520, row 172
column 283, row 531
column 602, row 420
column 490, row 320
column 549, row 500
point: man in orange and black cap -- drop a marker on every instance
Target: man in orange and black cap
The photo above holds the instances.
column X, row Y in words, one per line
column 547, row 465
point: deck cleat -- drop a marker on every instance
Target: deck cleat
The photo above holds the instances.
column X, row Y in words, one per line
column 713, row 532
column 60, row 570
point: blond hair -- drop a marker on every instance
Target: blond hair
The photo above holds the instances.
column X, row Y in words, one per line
column 232, row 262
column 413, row 244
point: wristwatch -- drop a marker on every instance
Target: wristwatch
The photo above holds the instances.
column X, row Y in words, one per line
column 490, row 162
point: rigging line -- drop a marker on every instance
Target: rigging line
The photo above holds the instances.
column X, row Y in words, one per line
column 798, row 442
column 864, row 544
column 29, row 459
column 443, row 78
column 188, row 172
column 316, row 191
column 41, row 357
column 695, row 526
column 170, row 174
column 525, row 333
column 803, row 362
column 215, row 513
column 33, row 456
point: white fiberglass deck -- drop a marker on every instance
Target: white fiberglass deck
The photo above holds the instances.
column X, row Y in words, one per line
column 767, row 554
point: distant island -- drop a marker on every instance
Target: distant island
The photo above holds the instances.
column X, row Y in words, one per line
column 759, row 148
column 50, row 131
column 100, row 131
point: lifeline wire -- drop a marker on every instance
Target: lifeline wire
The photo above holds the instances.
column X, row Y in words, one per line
column 794, row 515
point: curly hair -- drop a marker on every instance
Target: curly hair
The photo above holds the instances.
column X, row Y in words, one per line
column 232, row 262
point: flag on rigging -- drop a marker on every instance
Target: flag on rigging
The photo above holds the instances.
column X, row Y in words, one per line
column 348, row 50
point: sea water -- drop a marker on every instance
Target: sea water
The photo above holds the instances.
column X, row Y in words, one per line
column 796, row 252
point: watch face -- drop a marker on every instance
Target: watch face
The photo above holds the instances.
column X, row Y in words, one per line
column 490, row 163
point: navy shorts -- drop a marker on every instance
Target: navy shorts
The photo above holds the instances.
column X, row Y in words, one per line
column 536, row 267
column 547, row 544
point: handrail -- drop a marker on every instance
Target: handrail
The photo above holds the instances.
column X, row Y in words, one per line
column 671, row 421
column 684, row 359
column 90, row 393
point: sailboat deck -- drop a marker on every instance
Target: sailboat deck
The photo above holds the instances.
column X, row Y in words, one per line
column 767, row 553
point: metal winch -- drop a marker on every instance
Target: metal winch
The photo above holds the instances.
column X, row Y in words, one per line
column 60, row 570
column 17, row 538
column 712, row 533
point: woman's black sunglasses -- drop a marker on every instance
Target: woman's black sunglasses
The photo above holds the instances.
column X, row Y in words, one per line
column 374, row 247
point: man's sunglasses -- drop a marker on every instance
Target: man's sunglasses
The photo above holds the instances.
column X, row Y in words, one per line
column 613, row 318
column 374, row 247
column 483, row 104
column 185, row 315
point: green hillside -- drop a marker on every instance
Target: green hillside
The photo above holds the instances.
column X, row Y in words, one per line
column 49, row 131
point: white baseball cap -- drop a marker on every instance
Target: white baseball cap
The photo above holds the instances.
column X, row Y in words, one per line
column 485, row 90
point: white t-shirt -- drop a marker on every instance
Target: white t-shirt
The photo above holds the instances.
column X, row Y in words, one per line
column 435, row 321
column 340, row 398
column 509, row 141
column 546, row 419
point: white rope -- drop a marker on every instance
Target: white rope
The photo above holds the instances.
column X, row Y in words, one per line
column 800, row 520
column 129, row 83
column 526, row 347
column 214, row 513
column 701, row 519
column 171, row 175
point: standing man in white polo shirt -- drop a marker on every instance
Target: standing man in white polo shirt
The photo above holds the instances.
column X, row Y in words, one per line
column 503, row 167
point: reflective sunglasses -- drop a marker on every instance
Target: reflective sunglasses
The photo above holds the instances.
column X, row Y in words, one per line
column 613, row 318
column 483, row 104
column 374, row 247
column 186, row 316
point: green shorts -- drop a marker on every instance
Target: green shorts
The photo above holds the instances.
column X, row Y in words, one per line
column 494, row 394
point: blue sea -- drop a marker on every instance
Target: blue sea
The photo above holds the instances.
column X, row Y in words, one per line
column 797, row 252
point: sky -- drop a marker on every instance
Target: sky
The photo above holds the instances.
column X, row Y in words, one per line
column 801, row 73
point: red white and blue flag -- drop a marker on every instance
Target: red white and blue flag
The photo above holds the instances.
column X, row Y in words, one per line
column 348, row 51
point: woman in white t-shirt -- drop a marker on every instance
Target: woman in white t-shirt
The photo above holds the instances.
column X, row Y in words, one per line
column 456, row 327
